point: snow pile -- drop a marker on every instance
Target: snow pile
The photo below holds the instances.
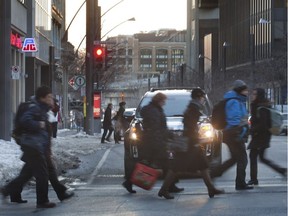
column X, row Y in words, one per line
column 66, row 148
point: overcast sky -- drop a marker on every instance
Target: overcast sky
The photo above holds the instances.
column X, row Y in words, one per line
column 149, row 15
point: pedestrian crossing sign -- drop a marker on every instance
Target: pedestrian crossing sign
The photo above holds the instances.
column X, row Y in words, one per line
column 29, row 45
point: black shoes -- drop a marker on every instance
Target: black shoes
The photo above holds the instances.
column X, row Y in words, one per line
column 66, row 195
column 46, row 205
column 214, row 191
column 18, row 201
column 244, row 187
column 253, row 182
column 128, row 187
column 175, row 189
column 165, row 194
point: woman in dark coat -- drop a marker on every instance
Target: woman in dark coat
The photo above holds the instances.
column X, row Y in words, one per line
column 107, row 124
column 155, row 136
column 260, row 124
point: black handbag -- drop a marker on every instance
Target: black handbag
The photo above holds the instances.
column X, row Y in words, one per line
column 34, row 141
column 178, row 144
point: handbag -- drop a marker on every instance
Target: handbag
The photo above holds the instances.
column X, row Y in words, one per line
column 178, row 144
column 32, row 141
column 144, row 176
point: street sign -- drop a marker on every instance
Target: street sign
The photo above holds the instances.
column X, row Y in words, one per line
column 71, row 82
column 80, row 81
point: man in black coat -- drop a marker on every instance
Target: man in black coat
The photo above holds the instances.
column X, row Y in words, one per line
column 107, row 124
column 38, row 162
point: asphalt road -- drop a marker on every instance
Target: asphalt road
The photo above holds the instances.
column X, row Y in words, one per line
column 104, row 195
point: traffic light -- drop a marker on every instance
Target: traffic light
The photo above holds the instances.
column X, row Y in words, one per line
column 99, row 56
column 108, row 57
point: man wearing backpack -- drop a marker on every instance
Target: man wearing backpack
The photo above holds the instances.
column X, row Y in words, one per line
column 235, row 132
column 37, row 157
column 260, row 124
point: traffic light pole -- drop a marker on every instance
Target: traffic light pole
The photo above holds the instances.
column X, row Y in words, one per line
column 90, row 35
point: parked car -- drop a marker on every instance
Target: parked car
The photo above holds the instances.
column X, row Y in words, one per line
column 285, row 128
column 128, row 115
column 176, row 103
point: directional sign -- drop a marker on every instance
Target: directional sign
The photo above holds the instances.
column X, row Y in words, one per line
column 29, row 45
column 80, row 81
column 71, row 82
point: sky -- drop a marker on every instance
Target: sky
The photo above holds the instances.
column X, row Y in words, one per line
column 149, row 15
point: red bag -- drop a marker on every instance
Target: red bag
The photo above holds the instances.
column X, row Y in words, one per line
column 144, row 176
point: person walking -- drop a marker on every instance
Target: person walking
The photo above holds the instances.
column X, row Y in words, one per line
column 35, row 122
column 194, row 159
column 235, row 133
column 261, row 136
column 120, row 124
column 53, row 117
column 107, row 124
column 155, row 136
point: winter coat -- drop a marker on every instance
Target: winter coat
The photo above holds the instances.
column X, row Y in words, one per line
column 236, row 116
column 260, row 124
column 190, row 120
column 30, row 121
column 107, row 122
column 155, row 132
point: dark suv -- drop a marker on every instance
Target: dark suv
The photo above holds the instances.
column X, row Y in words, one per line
column 176, row 103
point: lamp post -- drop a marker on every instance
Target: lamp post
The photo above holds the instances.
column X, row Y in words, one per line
column 225, row 45
column 131, row 19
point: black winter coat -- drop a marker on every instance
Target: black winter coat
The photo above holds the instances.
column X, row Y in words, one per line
column 260, row 124
column 107, row 122
column 155, row 132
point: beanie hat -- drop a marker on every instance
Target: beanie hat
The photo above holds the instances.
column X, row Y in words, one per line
column 239, row 85
column 197, row 93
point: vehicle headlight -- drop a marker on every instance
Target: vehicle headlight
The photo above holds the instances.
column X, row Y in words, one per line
column 206, row 133
column 133, row 133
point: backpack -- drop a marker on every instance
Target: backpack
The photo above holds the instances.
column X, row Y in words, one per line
column 18, row 130
column 276, row 120
column 218, row 119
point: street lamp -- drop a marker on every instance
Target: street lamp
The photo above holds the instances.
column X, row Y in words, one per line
column 225, row 45
column 131, row 19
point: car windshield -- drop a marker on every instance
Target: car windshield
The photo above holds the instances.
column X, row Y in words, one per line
column 175, row 105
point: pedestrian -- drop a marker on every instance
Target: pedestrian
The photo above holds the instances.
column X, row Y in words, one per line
column 235, row 133
column 121, row 124
column 79, row 120
column 195, row 159
column 38, row 162
column 155, row 136
column 53, row 117
column 107, row 124
column 261, row 136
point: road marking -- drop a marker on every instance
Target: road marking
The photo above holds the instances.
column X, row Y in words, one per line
column 99, row 165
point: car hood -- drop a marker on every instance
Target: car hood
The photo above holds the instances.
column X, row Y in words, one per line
column 175, row 123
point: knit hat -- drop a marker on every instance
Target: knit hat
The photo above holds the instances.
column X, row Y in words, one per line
column 239, row 85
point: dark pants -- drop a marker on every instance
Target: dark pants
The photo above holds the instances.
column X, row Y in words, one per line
column 36, row 165
column 238, row 156
column 105, row 133
column 253, row 163
column 15, row 187
column 54, row 129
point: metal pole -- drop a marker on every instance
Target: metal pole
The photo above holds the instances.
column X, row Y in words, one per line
column 52, row 68
column 224, row 65
column 89, row 65
column 5, row 71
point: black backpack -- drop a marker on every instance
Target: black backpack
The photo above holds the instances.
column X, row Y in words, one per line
column 218, row 119
column 18, row 130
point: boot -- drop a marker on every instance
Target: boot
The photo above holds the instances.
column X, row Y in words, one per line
column 174, row 189
column 210, row 186
column 169, row 179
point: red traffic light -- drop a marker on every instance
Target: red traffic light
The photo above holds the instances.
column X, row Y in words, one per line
column 98, row 52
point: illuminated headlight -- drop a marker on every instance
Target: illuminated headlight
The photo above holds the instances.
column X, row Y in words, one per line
column 133, row 134
column 206, row 133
